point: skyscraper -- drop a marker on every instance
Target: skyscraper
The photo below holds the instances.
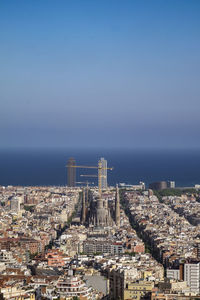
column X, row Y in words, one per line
column 103, row 170
column 71, row 172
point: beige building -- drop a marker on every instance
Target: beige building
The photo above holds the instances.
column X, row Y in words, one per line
column 137, row 289
column 16, row 293
column 118, row 280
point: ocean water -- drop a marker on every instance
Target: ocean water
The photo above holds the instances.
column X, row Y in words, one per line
column 47, row 166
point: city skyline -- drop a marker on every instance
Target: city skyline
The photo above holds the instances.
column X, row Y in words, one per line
column 100, row 74
column 99, row 150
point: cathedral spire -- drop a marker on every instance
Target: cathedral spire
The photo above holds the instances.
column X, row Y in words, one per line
column 117, row 207
column 83, row 213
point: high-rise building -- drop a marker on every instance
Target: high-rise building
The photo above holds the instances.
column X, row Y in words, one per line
column 192, row 275
column 171, row 184
column 71, row 172
column 158, row 186
column 103, row 170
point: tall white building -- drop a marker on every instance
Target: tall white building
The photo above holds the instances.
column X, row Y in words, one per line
column 171, row 184
column 192, row 276
column 15, row 204
column 103, row 170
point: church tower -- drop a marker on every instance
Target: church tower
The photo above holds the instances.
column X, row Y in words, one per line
column 83, row 213
column 117, row 207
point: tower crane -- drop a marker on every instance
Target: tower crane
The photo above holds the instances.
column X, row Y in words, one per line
column 88, row 175
column 99, row 167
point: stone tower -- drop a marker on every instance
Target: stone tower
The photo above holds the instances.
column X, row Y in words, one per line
column 83, row 212
column 102, row 218
column 117, row 207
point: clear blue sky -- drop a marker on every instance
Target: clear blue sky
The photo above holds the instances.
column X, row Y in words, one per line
column 100, row 73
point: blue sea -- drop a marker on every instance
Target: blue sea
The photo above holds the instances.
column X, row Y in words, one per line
column 48, row 166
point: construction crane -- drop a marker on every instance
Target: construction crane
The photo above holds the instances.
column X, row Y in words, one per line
column 99, row 167
column 88, row 175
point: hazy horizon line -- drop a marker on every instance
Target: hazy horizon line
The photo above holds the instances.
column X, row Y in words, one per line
column 95, row 148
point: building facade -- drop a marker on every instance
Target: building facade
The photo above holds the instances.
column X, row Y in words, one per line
column 160, row 185
column 192, row 276
column 103, row 170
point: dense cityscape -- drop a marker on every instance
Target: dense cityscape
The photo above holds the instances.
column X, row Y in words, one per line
column 99, row 150
column 99, row 242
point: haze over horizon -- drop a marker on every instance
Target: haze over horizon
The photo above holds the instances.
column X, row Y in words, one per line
column 100, row 74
